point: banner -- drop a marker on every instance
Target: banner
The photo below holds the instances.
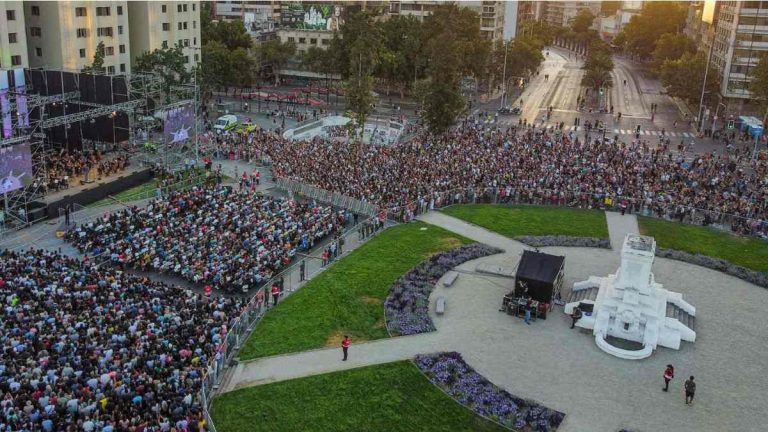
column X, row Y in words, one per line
column 21, row 97
column 179, row 124
column 5, row 104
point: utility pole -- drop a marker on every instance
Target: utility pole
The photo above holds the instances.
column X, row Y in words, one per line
column 504, row 76
column 700, row 121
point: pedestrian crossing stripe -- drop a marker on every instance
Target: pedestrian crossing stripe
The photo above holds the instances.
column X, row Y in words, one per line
column 571, row 128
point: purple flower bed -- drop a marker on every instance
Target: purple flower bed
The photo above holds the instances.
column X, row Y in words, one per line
column 407, row 305
column 449, row 372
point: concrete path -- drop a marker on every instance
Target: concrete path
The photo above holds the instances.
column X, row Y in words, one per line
column 315, row 362
column 473, row 232
column 618, row 228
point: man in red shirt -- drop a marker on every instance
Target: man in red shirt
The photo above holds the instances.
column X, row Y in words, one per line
column 275, row 294
column 345, row 346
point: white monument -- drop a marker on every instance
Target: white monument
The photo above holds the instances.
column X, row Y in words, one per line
column 630, row 308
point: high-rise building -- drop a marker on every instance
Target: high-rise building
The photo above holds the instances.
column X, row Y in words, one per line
column 65, row 34
column 260, row 17
column 560, row 13
column 734, row 36
column 416, row 8
column 491, row 17
column 156, row 25
column 13, row 37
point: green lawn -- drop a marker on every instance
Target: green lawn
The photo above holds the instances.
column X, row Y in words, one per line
column 513, row 221
column 748, row 252
column 348, row 298
column 390, row 397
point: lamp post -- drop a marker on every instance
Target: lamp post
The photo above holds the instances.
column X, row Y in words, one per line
column 704, row 85
column 504, row 76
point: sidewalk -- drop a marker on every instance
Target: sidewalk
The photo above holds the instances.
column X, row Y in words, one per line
column 618, row 228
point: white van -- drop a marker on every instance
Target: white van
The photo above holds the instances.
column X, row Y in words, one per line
column 225, row 122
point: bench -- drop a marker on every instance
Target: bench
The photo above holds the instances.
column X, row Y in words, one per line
column 450, row 278
column 440, row 305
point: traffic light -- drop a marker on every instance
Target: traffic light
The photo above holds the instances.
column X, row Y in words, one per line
column 601, row 91
column 637, row 129
column 731, row 124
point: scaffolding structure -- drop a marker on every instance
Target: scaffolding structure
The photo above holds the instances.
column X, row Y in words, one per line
column 140, row 98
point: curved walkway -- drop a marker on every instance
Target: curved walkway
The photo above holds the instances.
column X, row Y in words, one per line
column 562, row 368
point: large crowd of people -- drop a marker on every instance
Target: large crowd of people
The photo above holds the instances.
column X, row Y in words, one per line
column 213, row 236
column 87, row 349
column 525, row 162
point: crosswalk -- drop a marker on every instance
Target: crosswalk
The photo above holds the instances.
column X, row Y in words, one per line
column 646, row 133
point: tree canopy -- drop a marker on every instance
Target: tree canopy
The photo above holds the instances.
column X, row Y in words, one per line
column 169, row 63
column 671, row 46
column 684, row 77
column 644, row 30
column 759, row 84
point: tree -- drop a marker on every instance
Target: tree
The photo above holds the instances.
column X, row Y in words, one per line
column 364, row 53
column 684, row 77
column 169, row 63
column 759, row 84
column 97, row 65
column 644, row 30
column 216, row 67
column 277, row 54
column 582, row 21
column 598, row 65
column 671, row 46
column 230, row 33
column 443, row 103
column 401, row 52
column 243, row 69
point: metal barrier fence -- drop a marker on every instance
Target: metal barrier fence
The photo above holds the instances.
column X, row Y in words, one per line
column 684, row 214
column 290, row 279
column 333, row 198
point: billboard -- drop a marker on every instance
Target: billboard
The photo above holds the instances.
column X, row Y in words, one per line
column 179, row 123
column 312, row 16
column 15, row 167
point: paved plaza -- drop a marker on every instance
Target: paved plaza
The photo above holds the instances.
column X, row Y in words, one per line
column 563, row 368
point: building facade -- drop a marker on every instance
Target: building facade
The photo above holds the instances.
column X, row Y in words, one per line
column 560, row 13
column 261, row 18
column 734, row 35
column 65, row 34
column 157, row 25
column 13, row 37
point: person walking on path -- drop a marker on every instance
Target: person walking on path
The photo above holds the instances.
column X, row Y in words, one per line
column 669, row 373
column 690, row 389
column 345, row 346
column 528, row 312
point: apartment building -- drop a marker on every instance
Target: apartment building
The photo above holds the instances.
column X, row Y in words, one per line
column 157, row 25
column 734, row 35
column 491, row 17
column 65, row 34
column 560, row 13
column 13, row 36
column 415, row 8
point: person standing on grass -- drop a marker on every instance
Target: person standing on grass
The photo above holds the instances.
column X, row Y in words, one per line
column 690, row 389
column 669, row 373
column 345, row 346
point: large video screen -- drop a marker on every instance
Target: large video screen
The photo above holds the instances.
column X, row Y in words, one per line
column 179, row 124
column 15, row 167
column 312, row 16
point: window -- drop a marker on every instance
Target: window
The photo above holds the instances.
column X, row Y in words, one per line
column 186, row 59
column 181, row 42
column 313, row 41
column 12, row 38
column 291, row 39
column 82, row 52
column 164, row 9
column 104, row 31
column 302, row 40
column 186, row 42
column 110, row 51
column 102, row 11
column 178, row 8
column 10, row 15
column 119, row 10
column 194, row 41
column 179, row 26
column 35, row 10
column 16, row 60
column 82, row 32
column 119, row 30
column 111, row 70
column 197, row 57
column 39, row 52
column 122, row 49
column 185, row 25
column 81, row 12
column 165, row 44
column 184, row 7
column 193, row 7
column 35, row 31
column 122, row 67
column 166, row 26
column 325, row 41
column 194, row 23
